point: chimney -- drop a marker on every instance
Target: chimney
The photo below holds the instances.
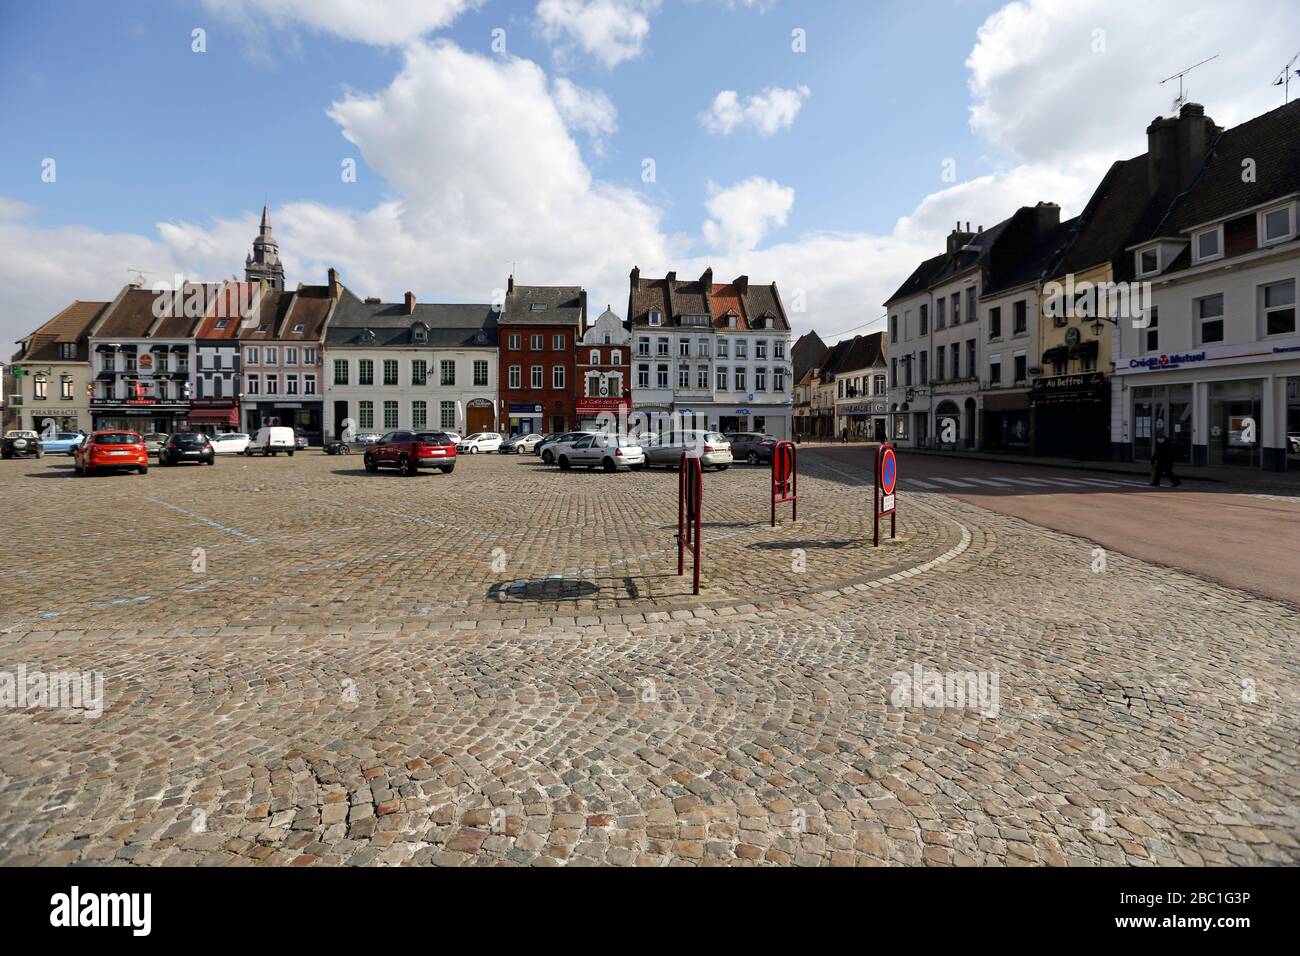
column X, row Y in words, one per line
column 742, row 284
column 334, row 287
column 635, row 275
column 373, row 300
column 706, row 280
column 1176, row 148
column 410, row 303
column 1047, row 216
column 671, row 277
column 958, row 238
column 510, row 284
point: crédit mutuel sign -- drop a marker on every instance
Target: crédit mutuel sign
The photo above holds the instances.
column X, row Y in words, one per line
column 1223, row 354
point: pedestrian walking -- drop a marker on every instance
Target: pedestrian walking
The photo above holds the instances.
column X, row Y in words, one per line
column 844, row 436
column 1162, row 463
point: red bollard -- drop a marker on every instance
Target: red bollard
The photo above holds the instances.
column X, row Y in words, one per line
column 785, row 479
column 690, row 500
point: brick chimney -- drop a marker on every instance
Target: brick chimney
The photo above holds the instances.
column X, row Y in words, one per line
column 959, row 237
column 335, row 289
column 635, row 275
column 1047, row 216
column 410, row 303
column 1176, row 148
column 741, row 283
column 706, row 280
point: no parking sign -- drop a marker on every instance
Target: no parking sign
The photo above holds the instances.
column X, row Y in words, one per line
column 882, row 494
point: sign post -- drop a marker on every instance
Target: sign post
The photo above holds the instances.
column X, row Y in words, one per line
column 785, row 479
column 690, row 499
column 882, row 493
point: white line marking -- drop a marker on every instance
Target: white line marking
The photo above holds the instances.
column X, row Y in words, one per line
column 955, row 482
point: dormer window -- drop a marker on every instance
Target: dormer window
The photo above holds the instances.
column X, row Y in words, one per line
column 731, row 322
column 262, row 328
column 537, row 307
column 419, row 333
column 1208, row 244
column 1148, row 262
column 222, row 323
column 299, row 328
column 1276, row 225
column 655, row 317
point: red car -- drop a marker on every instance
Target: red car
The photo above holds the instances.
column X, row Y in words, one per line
column 410, row 451
column 111, row 449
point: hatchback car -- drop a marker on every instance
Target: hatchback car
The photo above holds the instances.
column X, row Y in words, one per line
column 187, row 446
column 230, row 443
column 521, row 444
column 111, row 449
column 714, row 449
column 20, row 444
column 610, row 452
column 753, row 447
column 62, row 443
column 546, row 448
column 409, row 451
column 479, row 441
column 154, row 441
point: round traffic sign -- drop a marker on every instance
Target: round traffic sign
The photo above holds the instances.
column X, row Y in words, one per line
column 888, row 471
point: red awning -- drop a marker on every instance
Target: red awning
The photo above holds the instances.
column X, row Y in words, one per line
column 213, row 416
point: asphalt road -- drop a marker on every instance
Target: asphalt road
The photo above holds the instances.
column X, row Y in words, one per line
column 1230, row 535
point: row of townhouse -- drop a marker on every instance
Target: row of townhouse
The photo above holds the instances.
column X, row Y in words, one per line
column 234, row 356
column 843, row 391
column 1167, row 307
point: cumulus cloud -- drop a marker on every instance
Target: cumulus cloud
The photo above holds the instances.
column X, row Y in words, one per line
column 379, row 22
column 768, row 112
column 741, row 215
column 612, row 31
column 586, row 110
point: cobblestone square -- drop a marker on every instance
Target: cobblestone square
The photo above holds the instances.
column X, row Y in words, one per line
column 308, row 664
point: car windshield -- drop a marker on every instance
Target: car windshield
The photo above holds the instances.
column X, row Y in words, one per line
column 474, row 437
column 627, row 441
column 433, row 438
column 232, row 436
column 117, row 438
column 67, row 436
column 189, row 438
column 714, row 437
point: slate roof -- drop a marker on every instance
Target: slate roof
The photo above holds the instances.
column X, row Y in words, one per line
column 1038, row 264
column 450, row 326
column 863, row 352
column 673, row 298
column 565, row 305
column 131, row 316
column 946, row 265
column 69, row 326
column 1121, row 208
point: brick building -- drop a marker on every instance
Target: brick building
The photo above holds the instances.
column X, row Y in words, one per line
column 538, row 329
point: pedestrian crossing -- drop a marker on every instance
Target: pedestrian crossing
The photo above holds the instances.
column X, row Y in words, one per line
column 1018, row 483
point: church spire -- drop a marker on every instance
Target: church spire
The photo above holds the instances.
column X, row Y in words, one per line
column 264, row 261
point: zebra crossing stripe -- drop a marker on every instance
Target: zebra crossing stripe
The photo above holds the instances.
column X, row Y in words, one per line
column 918, row 483
column 955, row 482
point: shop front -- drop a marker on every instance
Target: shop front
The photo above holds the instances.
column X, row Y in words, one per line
column 603, row 414
column 1070, row 416
column 213, row 416
column 303, row 417
column 1006, row 422
column 524, row 418
column 142, row 415
column 50, row 420
column 865, row 420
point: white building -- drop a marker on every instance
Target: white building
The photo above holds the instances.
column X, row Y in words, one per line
column 405, row 365
column 710, row 355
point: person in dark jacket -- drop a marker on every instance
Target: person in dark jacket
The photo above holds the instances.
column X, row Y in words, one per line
column 1162, row 463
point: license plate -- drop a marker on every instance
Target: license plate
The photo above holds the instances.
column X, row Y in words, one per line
column 434, row 452
column 119, row 453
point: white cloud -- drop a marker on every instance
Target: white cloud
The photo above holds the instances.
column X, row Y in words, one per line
column 610, row 30
column 768, row 112
column 586, row 110
column 379, row 22
column 742, row 214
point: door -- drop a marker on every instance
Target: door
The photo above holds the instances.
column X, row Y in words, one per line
column 340, row 415
column 581, row 452
column 479, row 418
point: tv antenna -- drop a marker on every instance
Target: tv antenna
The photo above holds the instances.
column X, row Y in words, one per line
column 140, row 275
column 1284, row 78
column 1182, row 96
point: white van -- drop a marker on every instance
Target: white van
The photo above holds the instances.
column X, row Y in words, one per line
column 272, row 439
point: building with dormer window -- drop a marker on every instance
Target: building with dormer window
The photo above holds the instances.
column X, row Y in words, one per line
column 603, row 368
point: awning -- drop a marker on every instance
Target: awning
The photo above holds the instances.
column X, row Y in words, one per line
column 1086, row 349
column 1056, row 354
column 106, row 376
column 213, row 416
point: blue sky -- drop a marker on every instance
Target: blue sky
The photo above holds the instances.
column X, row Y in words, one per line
column 165, row 156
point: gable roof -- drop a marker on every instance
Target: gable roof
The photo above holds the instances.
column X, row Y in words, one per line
column 1122, row 207
column 233, row 301
column 561, row 305
column 70, row 326
column 449, row 326
column 131, row 316
column 674, row 298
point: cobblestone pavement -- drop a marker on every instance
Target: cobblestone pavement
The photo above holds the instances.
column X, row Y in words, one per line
column 1133, row 714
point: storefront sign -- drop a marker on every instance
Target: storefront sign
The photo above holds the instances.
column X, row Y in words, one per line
column 524, row 408
column 1090, row 386
column 1167, row 361
column 863, row 408
column 602, row 404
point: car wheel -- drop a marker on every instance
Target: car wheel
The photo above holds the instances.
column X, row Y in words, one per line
column 144, row 469
column 547, row 458
column 752, row 458
column 371, row 464
column 81, row 472
column 447, row 471
column 212, row 460
column 474, row 450
column 721, row 468
column 290, row 452
column 39, row 453
column 637, row 467
column 6, row 456
column 407, row 466
column 564, row 463
column 248, row 453
column 608, row 465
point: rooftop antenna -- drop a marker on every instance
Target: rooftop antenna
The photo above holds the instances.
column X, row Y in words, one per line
column 139, row 275
column 1284, row 78
column 1182, row 96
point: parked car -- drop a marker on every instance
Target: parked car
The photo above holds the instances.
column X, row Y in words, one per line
column 521, row 444
column 610, row 452
column 187, row 446
column 546, row 448
column 64, row 443
column 230, row 443
column 21, row 443
column 338, row 446
column 409, row 451
column 300, row 440
column 271, row 440
column 753, row 447
column 153, row 442
column 714, row 449
column 111, row 449
column 646, row 439
column 479, row 441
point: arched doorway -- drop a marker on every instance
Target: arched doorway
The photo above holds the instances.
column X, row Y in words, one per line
column 480, row 416
column 947, row 424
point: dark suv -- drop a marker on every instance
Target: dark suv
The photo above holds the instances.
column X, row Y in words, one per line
column 409, row 451
column 186, row 446
column 753, row 447
column 20, row 444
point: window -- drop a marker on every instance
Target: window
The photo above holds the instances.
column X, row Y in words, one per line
column 1020, row 370
column 309, row 356
column 270, row 356
column 365, row 414
column 419, row 414
column 309, row 384
column 615, row 357
column 656, row 317
column 390, row 414
column 740, row 379
column 299, row 328
column 1148, row 262
column 40, row 388
column 390, row 373
column 925, row 319
column 252, row 384
column 593, row 357
column 1152, row 330
column 480, row 372
column 1208, row 244
column 971, row 313
column 162, row 361
column 1209, row 318
column 661, row 347
column 702, row 378
column 995, row 322
column 536, row 343
column 290, row 384
column 447, row 416
column 938, row 364
column 419, row 333
column 447, row 372
column 130, row 361
column 340, row 371
column 702, row 347
column 290, row 356
column 879, row 385
column 742, row 349
column 661, row 376
column 557, row 343
column 557, row 376
column 778, row 380
column 1279, row 308
column 419, row 373
column 67, row 350
column 995, row 371
column 365, row 372
column 535, row 376
column 183, row 361
column 684, row 347
column 515, row 376
column 956, row 308
column 109, row 362
column 940, row 313
column 537, row 307
column 893, row 370
column 643, row 347
column 1020, row 317
column 1276, row 225
column 925, row 371
column 760, row 379
column 272, row 385
column 250, row 356
column 65, row 389
column 514, row 342
column 778, row 349
column 971, row 371
column 684, row 377
column 722, row 378
column 722, row 348
column 760, row 349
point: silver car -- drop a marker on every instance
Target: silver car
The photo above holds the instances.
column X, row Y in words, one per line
column 713, row 448
column 610, row 452
column 546, row 447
